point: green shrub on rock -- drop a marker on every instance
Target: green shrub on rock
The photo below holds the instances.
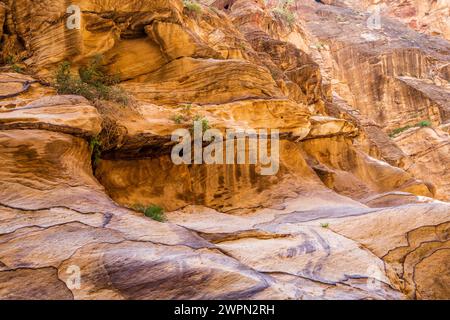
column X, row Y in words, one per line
column 92, row 83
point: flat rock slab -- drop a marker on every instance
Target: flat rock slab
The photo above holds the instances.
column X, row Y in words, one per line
column 67, row 114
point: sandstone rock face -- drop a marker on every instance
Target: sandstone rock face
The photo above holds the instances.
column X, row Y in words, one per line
column 429, row 149
column 2, row 17
column 375, row 70
column 427, row 16
column 351, row 212
column 382, row 79
column 430, row 17
column 68, row 114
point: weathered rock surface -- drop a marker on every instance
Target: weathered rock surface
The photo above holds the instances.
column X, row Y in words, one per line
column 351, row 213
column 429, row 150
column 382, row 79
column 368, row 65
column 410, row 247
column 427, row 16
column 68, row 114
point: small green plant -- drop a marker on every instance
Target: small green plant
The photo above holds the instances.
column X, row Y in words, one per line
column 154, row 212
column 397, row 131
column 424, row 123
column 204, row 122
column 94, row 73
column 283, row 10
column 96, row 150
column 192, row 6
column 421, row 124
column 17, row 68
column 65, row 83
column 319, row 46
column 92, row 83
column 178, row 118
column 12, row 62
column 186, row 107
column 325, row 225
column 285, row 14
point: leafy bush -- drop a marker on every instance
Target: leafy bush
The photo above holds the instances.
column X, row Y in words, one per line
column 284, row 11
column 94, row 74
column 319, row 46
column 16, row 68
column 285, row 14
column 12, row 62
column 154, row 212
column 186, row 107
column 178, row 118
column 204, row 122
column 397, row 131
column 325, row 225
column 92, row 83
column 192, row 6
column 424, row 123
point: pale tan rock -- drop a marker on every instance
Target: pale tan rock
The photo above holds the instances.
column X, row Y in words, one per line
column 427, row 16
column 291, row 252
column 371, row 139
column 353, row 173
column 51, row 246
column 328, row 127
column 186, row 44
column 395, row 198
column 29, row 284
column 14, row 219
column 18, row 90
column 169, row 273
column 43, row 169
column 445, row 127
column 430, row 17
column 315, row 253
column 429, row 150
column 405, row 238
